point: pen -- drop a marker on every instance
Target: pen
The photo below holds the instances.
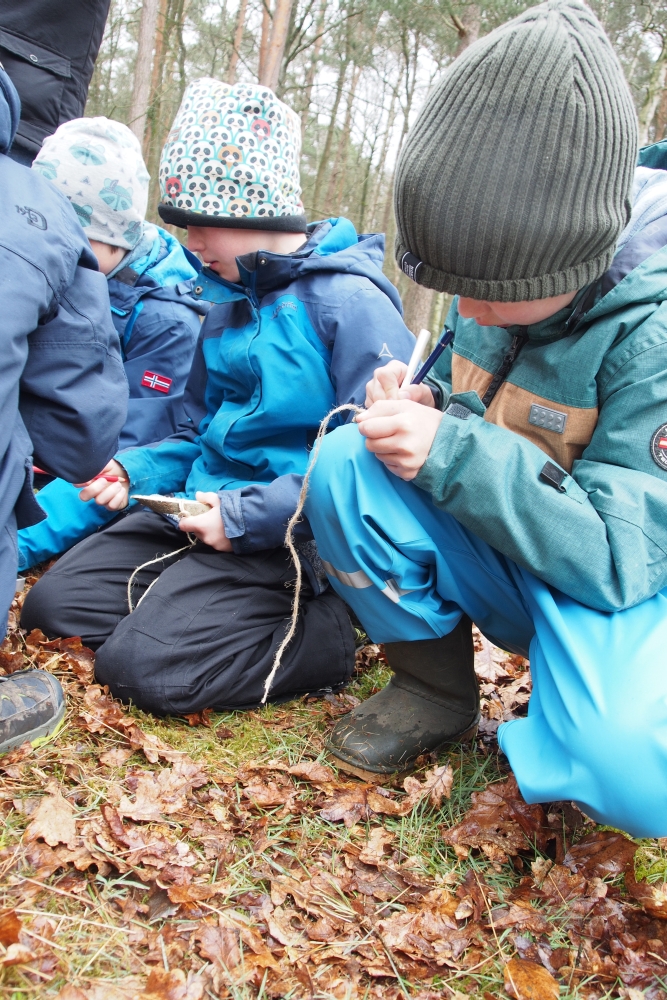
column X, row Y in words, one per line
column 446, row 339
column 415, row 358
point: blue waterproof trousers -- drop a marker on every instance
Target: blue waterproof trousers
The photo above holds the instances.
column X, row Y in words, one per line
column 596, row 730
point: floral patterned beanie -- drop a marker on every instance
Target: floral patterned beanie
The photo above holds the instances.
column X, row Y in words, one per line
column 97, row 164
column 232, row 159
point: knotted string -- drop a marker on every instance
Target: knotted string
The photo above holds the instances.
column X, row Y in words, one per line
column 289, row 542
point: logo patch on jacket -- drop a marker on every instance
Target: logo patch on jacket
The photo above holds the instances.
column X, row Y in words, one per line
column 158, row 382
column 659, row 447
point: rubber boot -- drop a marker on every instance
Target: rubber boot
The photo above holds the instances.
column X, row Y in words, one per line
column 431, row 700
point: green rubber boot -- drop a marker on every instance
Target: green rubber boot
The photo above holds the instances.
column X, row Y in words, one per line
column 432, row 700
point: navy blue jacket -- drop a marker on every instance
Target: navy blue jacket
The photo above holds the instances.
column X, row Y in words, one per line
column 158, row 322
column 297, row 335
column 63, row 392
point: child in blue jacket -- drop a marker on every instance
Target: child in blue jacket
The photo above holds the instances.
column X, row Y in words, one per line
column 98, row 165
column 301, row 317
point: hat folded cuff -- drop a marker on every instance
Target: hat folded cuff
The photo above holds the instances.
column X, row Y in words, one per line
column 543, row 286
column 273, row 223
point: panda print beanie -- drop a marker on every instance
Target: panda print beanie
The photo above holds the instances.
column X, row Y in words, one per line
column 232, row 159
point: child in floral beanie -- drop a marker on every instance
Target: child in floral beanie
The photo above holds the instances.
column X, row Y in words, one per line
column 300, row 316
column 97, row 164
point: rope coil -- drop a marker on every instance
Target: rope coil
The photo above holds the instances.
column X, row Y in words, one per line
column 289, row 542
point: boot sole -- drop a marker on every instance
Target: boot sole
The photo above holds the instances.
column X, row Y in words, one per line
column 377, row 777
column 38, row 735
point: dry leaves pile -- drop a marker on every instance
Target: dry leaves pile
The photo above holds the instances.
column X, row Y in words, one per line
column 275, row 878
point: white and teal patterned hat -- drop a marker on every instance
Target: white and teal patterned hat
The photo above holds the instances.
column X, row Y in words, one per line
column 232, row 159
column 98, row 164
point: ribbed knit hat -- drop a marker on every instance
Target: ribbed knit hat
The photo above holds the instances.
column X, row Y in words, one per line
column 514, row 181
column 98, row 164
column 232, row 159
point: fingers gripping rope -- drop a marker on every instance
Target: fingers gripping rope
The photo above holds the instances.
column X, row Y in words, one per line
column 151, row 562
column 289, row 542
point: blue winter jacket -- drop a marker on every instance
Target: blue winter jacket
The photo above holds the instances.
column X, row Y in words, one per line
column 63, row 392
column 297, row 335
column 158, row 323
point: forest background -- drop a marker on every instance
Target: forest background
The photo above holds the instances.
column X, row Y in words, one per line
column 355, row 71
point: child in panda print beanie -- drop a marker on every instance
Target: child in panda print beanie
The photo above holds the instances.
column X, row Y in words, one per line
column 232, row 159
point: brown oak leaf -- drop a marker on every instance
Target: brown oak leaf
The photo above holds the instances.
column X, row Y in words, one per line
column 53, row 820
column 526, row 980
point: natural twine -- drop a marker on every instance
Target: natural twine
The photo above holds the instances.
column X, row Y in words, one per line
column 166, row 555
column 289, row 542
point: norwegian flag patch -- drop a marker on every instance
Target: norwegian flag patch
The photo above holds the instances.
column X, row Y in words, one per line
column 659, row 447
column 158, row 382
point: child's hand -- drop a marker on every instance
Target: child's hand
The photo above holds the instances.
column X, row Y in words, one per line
column 400, row 433
column 112, row 495
column 208, row 527
column 386, row 384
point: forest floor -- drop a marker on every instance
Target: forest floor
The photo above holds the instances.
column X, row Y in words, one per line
column 223, row 856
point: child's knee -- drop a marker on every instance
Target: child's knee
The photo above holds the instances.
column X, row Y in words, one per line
column 341, row 456
column 43, row 607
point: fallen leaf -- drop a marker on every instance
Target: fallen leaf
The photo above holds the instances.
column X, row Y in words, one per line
column 10, row 925
column 601, row 853
column 163, row 792
column 374, row 848
column 349, row 806
column 53, row 821
column 500, row 823
column 311, row 770
column 116, row 757
column 561, row 884
column 529, row 981
column 652, row 896
column 195, row 893
column 429, row 932
column 171, row 985
column 437, row 786
column 202, row 718
column 519, row 915
column 17, row 954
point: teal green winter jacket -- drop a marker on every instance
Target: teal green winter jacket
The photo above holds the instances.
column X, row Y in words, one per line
column 565, row 469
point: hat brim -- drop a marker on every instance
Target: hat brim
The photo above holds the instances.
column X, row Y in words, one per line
column 273, row 223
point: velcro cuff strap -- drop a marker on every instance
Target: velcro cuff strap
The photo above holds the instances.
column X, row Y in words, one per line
column 554, row 476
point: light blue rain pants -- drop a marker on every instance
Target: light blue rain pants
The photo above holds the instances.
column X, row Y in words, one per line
column 596, row 730
column 69, row 520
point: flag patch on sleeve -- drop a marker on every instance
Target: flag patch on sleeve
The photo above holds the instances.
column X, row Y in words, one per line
column 158, row 382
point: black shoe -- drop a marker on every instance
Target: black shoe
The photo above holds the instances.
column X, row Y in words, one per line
column 431, row 701
column 32, row 707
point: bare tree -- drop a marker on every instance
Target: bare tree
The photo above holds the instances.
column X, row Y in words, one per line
column 142, row 71
column 238, row 39
column 270, row 71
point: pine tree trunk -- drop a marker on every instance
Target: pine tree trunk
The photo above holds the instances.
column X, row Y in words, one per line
column 142, row 70
column 265, row 37
column 326, row 152
column 270, row 74
column 238, row 39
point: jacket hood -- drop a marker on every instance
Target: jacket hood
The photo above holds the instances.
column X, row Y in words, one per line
column 332, row 245
column 158, row 259
column 10, row 111
column 638, row 272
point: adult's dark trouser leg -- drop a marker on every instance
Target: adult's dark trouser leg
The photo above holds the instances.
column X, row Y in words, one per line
column 207, row 632
column 85, row 592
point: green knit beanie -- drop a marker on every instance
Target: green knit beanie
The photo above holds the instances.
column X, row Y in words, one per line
column 514, row 181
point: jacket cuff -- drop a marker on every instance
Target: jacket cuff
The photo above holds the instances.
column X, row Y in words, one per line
column 231, row 512
column 458, row 421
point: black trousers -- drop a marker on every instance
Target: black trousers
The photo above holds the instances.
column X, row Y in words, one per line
column 205, row 635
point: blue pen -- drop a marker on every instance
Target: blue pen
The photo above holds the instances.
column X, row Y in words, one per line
column 444, row 341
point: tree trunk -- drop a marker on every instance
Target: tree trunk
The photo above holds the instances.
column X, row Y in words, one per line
column 661, row 118
column 653, row 97
column 337, row 175
column 417, row 306
column 270, row 74
column 326, row 152
column 238, row 39
column 312, row 67
column 467, row 27
column 142, row 70
column 264, row 39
